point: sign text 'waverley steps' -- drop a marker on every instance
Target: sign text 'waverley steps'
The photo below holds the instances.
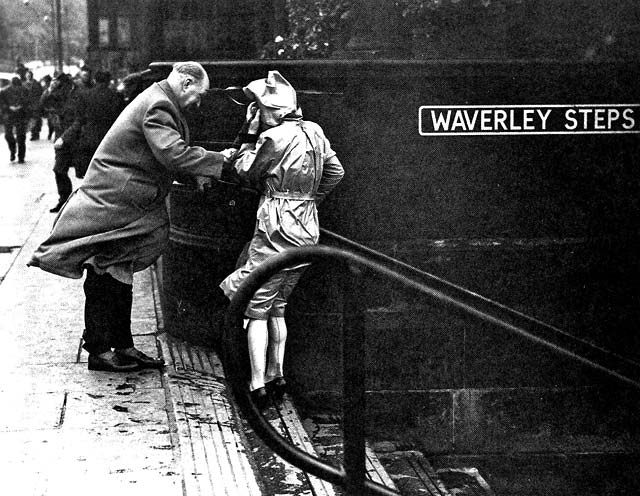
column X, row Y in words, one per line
column 475, row 120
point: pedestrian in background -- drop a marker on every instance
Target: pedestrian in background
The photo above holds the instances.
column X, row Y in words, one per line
column 132, row 85
column 35, row 92
column 95, row 110
column 45, row 82
column 58, row 100
column 14, row 105
column 292, row 164
column 21, row 69
column 84, row 78
column 116, row 223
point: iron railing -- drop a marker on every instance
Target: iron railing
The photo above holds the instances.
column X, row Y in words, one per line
column 358, row 266
column 608, row 362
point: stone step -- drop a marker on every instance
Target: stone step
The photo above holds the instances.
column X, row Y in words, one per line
column 406, row 471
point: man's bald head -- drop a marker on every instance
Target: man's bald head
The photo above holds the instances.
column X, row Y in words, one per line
column 189, row 81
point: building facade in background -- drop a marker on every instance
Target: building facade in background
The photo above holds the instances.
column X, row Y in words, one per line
column 125, row 35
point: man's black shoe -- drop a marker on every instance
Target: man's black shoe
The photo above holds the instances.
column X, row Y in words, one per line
column 21, row 161
column 143, row 360
column 56, row 209
column 110, row 362
column 13, row 156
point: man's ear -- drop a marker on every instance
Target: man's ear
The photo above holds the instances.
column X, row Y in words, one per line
column 187, row 82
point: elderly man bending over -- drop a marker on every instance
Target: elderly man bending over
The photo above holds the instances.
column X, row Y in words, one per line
column 116, row 223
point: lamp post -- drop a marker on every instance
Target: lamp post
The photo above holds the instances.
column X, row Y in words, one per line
column 57, row 6
column 56, row 16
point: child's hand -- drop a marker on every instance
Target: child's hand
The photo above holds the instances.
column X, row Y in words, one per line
column 251, row 111
column 253, row 118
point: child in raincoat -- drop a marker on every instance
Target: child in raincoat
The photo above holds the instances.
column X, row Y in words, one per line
column 292, row 164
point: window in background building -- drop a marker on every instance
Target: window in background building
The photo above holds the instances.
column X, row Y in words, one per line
column 103, row 32
column 124, row 32
column 185, row 36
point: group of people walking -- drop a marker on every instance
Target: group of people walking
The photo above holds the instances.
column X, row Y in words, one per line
column 79, row 112
column 116, row 223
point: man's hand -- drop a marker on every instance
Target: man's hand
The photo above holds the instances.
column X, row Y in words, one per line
column 203, row 183
column 59, row 143
column 229, row 153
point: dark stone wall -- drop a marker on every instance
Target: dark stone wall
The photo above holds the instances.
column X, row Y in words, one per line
column 544, row 224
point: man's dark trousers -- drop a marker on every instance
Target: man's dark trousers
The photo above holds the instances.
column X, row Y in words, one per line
column 19, row 138
column 107, row 313
column 63, row 162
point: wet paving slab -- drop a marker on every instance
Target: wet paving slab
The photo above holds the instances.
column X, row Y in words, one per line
column 66, row 461
column 74, row 377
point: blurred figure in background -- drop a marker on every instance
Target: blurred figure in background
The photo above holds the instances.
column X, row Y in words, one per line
column 58, row 101
column 14, row 106
column 131, row 86
column 84, row 78
column 45, row 82
column 35, row 91
column 20, row 69
column 96, row 109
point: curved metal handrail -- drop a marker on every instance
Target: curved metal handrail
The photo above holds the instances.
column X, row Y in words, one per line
column 236, row 364
column 236, row 360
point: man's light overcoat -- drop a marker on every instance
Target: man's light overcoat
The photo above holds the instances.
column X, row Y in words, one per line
column 118, row 216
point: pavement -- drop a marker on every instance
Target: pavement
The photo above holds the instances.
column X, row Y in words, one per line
column 63, row 428
column 67, row 430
